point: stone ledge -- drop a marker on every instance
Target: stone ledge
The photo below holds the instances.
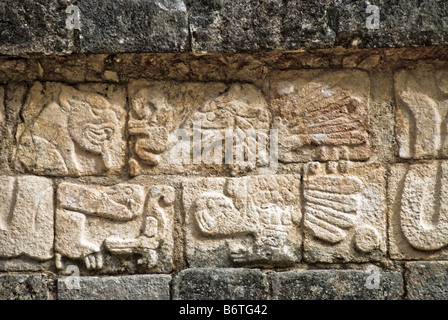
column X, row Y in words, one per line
column 220, row 26
column 427, row 280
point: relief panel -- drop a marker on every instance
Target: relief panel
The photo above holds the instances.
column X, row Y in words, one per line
column 321, row 115
column 344, row 212
column 124, row 227
column 181, row 127
column 72, row 131
column 422, row 106
column 419, row 210
column 26, row 217
column 246, row 221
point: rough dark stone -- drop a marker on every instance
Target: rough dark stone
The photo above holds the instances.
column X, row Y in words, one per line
column 136, row 287
column 26, row 287
column 133, row 26
column 34, row 26
column 336, row 285
column 220, row 284
column 252, row 25
column 427, row 280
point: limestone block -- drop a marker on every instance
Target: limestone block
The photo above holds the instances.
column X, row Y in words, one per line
column 109, row 227
column 27, row 287
column 2, row 113
column 26, row 217
column 337, row 285
column 182, row 127
column 427, row 280
column 135, row 287
column 418, row 216
column 246, row 221
column 321, row 115
column 220, row 284
column 422, row 105
column 72, row 131
column 344, row 212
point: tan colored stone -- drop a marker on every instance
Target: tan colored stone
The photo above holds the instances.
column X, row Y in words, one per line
column 244, row 221
column 344, row 212
column 26, row 217
column 418, row 210
column 162, row 118
column 102, row 225
column 72, row 131
column 321, row 115
column 422, row 106
column 2, row 112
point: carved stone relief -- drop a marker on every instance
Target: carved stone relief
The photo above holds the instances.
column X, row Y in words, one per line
column 421, row 114
column 321, row 115
column 169, row 122
column 72, row 131
column 419, row 211
column 108, row 226
column 26, row 217
column 344, row 212
column 244, row 221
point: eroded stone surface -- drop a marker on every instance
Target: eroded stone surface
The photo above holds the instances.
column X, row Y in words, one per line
column 321, row 115
column 426, row 280
column 221, row 284
column 72, row 131
column 419, row 212
column 344, row 212
column 178, row 128
column 27, row 287
column 242, row 221
column 26, row 217
column 109, row 227
column 136, row 287
column 337, row 285
column 422, row 107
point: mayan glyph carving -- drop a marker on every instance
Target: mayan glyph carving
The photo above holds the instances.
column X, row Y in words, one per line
column 421, row 113
column 243, row 221
column 321, row 115
column 177, row 127
column 344, row 212
column 122, row 221
column 26, row 217
column 72, row 131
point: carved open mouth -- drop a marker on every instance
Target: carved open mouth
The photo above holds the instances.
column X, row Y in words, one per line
column 99, row 133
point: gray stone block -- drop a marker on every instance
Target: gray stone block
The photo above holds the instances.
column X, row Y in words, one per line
column 252, row 25
column 34, row 26
column 133, row 26
column 26, row 287
column 220, row 284
column 427, row 280
column 336, row 285
column 135, row 287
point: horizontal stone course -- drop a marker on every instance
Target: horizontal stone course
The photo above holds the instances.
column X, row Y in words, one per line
column 427, row 280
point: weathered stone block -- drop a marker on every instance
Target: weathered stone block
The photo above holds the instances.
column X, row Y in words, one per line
column 337, row 285
column 427, row 280
column 185, row 128
column 122, row 227
column 26, row 217
column 418, row 226
column 344, row 212
column 136, row 287
column 133, row 26
column 26, row 287
column 422, row 106
column 220, row 284
column 244, row 221
column 321, row 115
column 34, row 26
column 72, row 131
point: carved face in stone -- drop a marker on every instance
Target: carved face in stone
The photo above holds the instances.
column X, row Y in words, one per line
column 92, row 122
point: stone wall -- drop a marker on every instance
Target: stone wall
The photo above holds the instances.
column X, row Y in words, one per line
column 120, row 170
